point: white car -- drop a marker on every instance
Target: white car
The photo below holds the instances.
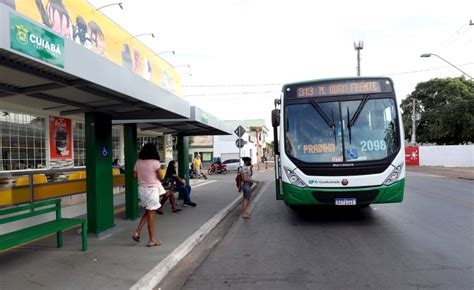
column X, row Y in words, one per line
column 231, row 164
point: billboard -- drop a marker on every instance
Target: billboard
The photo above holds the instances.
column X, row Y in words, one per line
column 80, row 22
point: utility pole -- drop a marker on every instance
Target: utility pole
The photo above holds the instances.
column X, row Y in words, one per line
column 358, row 46
column 413, row 123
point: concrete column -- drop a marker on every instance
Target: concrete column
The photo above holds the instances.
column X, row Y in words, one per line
column 100, row 202
column 183, row 162
column 131, row 185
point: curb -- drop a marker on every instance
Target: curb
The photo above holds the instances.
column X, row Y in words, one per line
column 154, row 277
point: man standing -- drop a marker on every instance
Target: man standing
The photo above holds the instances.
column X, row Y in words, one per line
column 246, row 172
column 197, row 165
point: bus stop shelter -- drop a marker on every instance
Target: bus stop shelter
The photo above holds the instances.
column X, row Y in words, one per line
column 87, row 84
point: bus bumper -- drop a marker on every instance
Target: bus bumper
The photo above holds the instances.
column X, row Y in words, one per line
column 293, row 195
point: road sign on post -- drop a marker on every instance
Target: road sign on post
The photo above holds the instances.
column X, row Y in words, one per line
column 239, row 143
column 240, row 131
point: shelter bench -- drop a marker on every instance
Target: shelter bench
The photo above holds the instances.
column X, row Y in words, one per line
column 25, row 235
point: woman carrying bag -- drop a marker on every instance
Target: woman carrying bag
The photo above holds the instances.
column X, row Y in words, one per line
column 148, row 172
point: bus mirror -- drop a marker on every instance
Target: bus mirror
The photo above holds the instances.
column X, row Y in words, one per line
column 275, row 118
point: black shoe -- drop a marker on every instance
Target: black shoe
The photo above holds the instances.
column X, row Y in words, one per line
column 193, row 204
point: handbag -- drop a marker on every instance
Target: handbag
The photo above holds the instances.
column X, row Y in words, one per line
column 161, row 189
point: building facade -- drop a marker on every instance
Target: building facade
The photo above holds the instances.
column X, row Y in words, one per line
column 255, row 138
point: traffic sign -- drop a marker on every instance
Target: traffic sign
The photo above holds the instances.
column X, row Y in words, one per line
column 239, row 143
column 240, row 131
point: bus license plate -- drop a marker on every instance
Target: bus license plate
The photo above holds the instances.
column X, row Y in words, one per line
column 346, row 201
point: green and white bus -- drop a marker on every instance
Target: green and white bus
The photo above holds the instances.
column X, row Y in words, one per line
column 339, row 142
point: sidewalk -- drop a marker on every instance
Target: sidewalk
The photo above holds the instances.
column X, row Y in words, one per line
column 114, row 260
column 455, row 172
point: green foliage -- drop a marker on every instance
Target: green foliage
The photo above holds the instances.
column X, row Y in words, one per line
column 447, row 111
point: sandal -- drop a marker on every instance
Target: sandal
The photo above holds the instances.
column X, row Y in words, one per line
column 155, row 244
column 176, row 209
column 136, row 238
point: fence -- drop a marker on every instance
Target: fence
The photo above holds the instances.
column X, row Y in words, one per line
column 447, row 156
column 18, row 187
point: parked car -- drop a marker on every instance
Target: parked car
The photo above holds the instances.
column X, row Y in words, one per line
column 231, row 164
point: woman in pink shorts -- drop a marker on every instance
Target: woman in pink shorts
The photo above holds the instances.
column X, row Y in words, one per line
column 148, row 172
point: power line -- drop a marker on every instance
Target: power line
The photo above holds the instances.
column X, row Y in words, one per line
column 276, row 84
column 423, row 70
column 229, row 85
column 229, row 94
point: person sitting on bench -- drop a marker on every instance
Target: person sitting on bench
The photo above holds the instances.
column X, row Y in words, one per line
column 178, row 183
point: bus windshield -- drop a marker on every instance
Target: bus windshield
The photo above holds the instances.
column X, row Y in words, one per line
column 371, row 135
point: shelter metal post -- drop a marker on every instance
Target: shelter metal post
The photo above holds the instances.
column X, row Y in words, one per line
column 131, row 190
column 183, row 162
column 100, row 202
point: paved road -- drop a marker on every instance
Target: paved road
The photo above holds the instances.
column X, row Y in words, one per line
column 425, row 242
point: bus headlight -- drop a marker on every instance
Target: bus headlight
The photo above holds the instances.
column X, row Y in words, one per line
column 393, row 177
column 293, row 178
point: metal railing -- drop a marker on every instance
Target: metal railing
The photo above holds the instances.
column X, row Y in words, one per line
column 53, row 177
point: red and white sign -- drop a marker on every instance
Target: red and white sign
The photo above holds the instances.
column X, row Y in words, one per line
column 412, row 155
column 60, row 138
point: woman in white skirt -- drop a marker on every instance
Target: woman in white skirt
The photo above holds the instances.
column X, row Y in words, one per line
column 148, row 172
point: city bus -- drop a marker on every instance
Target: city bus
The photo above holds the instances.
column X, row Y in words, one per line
column 339, row 142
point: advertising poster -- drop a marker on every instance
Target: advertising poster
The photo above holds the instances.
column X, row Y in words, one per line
column 82, row 23
column 60, row 138
column 412, row 156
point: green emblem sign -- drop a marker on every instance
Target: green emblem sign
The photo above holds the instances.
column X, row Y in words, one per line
column 35, row 41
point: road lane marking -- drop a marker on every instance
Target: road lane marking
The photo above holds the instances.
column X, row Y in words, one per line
column 203, row 183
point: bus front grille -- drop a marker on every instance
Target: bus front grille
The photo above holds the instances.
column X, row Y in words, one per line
column 362, row 196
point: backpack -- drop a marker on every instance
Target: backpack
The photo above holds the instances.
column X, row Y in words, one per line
column 238, row 181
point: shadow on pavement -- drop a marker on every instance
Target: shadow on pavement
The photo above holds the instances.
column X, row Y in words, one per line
column 333, row 214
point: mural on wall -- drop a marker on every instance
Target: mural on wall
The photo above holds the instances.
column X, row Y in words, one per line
column 79, row 21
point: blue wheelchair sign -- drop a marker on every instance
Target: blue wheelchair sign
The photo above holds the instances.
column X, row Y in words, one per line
column 105, row 151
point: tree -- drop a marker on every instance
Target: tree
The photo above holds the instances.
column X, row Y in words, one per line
column 447, row 111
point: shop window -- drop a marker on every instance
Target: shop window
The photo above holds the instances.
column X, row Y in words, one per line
column 206, row 156
column 142, row 140
column 116, row 148
column 22, row 141
column 79, row 136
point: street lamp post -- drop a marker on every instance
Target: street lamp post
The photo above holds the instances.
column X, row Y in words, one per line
column 181, row 65
column 413, row 123
column 430, row 54
column 168, row 51
column 120, row 4
column 138, row 35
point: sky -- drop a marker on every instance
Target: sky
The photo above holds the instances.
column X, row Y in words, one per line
column 241, row 52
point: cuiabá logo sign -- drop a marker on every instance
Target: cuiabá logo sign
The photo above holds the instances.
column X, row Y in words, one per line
column 21, row 34
column 24, row 36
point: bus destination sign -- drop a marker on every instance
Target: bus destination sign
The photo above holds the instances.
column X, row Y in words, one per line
column 339, row 88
